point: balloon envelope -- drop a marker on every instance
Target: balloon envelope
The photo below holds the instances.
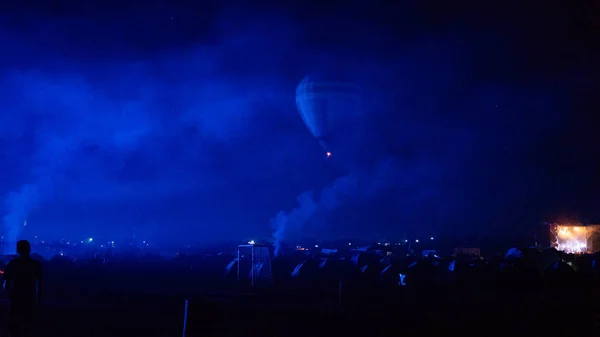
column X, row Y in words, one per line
column 325, row 106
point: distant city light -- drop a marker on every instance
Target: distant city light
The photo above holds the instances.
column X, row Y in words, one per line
column 90, row 239
column 432, row 238
column 251, row 242
column 417, row 240
column 349, row 243
column 316, row 246
column 328, row 154
column 405, row 240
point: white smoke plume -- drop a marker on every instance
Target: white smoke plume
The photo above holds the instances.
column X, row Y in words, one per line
column 18, row 205
column 290, row 224
column 358, row 186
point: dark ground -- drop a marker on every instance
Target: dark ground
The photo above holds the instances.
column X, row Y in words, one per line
column 155, row 316
column 126, row 302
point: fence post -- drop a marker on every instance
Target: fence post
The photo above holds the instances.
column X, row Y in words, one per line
column 185, row 314
column 340, row 295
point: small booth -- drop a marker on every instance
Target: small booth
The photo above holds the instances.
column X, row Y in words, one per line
column 254, row 264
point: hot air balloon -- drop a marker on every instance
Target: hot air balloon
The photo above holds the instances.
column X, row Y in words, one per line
column 325, row 106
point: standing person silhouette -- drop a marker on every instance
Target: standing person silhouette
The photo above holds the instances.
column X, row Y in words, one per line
column 23, row 283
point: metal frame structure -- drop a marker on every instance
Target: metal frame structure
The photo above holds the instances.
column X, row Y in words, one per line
column 259, row 254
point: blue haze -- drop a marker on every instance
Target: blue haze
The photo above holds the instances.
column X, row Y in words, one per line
column 185, row 128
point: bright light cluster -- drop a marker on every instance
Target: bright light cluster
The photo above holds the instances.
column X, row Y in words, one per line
column 571, row 239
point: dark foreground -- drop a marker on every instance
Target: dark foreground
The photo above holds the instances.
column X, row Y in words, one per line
column 148, row 300
column 372, row 313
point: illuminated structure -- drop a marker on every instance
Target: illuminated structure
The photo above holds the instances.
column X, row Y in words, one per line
column 575, row 238
column 254, row 264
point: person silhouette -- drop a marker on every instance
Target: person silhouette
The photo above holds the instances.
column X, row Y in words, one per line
column 23, row 282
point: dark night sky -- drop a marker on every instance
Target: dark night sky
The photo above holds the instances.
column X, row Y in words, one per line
column 180, row 117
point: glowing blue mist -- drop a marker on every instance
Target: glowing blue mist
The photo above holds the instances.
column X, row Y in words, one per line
column 291, row 224
column 358, row 186
column 18, row 205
